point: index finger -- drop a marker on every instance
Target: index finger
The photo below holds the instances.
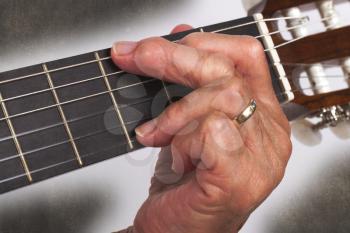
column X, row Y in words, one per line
column 176, row 63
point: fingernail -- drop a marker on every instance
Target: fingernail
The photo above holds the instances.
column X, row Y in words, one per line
column 124, row 47
column 146, row 129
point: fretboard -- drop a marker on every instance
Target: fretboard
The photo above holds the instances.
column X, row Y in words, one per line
column 67, row 114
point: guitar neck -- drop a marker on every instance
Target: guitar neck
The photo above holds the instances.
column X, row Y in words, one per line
column 63, row 115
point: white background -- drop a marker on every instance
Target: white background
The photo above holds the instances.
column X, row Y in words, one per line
column 313, row 197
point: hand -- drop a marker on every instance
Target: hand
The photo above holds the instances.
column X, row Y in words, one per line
column 211, row 173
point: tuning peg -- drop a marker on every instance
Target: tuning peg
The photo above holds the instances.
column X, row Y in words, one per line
column 303, row 131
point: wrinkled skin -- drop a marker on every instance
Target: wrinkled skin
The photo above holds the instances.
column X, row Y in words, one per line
column 211, row 173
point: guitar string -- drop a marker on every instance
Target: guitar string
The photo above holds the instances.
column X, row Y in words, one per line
column 105, row 58
column 154, row 80
column 76, row 100
column 298, row 90
column 64, row 142
column 101, row 76
column 100, row 94
column 321, row 76
column 84, row 117
column 92, row 133
column 111, row 74
column 79, row 82
column 287, row 29
column 67, row 141
column 119, row 72
column 73, row 120
column 62, row 163
column 308, row 65
column 88, row 135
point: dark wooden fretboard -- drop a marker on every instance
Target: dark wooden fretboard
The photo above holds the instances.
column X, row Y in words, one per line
column 66, row 114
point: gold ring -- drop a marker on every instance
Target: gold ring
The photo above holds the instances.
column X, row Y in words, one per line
column 247, row 113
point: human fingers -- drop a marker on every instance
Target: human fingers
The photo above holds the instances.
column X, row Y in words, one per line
column 159, row 58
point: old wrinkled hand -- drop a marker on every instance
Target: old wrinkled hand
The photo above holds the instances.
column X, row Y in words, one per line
column 211, row 173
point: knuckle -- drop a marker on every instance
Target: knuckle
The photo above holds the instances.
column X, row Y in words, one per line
column 150, row 54
column 192, row 39
column 231, row 91
column 234, row 86
column 255, row 47
column 222, row 64
column 175, row 110
column 214, row 123
column 169, row 114
column 216, row 196
column 149, row 48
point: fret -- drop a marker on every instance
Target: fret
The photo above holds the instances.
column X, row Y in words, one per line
column 115, row 104
column 137, row 102
column 63, row 116
column 97, row 113
column 60, row 158
column 101, row 118
column 15, row 139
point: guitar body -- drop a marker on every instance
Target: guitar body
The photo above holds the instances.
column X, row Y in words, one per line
column 105, row 197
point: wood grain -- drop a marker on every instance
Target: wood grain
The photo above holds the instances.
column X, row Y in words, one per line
column 316, row 48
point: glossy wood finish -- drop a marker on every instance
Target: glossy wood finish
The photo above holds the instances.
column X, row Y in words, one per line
column 326, row 46
column 321, row 47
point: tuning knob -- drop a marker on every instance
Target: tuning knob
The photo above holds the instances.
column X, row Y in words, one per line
column 304, row 132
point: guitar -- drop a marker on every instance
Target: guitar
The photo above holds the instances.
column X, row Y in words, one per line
column 64, row 115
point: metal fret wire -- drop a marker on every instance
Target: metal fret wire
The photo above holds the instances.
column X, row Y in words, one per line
column 114, row 101
column 91, row 134
column 103, row 112
column 63, row 116
column 61, row 163
column 16, row 142
column 106, row 58
column 119, row 72
column 68, row 141
column 76, row 100
column 82, row 137
column 77, row 119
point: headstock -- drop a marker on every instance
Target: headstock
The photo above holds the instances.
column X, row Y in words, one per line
column 312, row 54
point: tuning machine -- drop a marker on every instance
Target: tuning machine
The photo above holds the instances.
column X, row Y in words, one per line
column 332, row 116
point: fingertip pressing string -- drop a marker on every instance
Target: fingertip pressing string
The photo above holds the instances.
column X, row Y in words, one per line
column 304, row 22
